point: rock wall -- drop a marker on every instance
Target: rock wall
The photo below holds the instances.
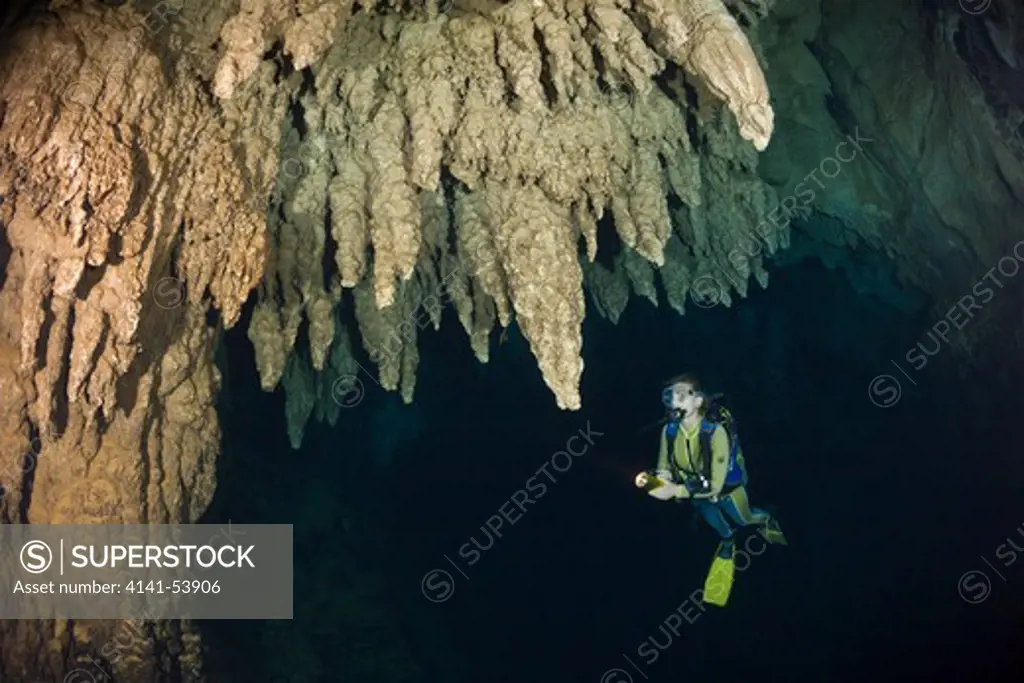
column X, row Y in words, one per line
column 126, row 250
column 937, row 189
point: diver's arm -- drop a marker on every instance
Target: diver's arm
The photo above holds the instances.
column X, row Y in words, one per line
column 656, row 478
column 719, row 462
column 663, row 470
column 662, row 454
column 658, row 483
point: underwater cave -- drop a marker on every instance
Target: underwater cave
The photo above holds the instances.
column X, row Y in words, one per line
column 420, row 280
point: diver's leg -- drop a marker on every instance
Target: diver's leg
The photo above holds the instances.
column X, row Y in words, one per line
column 737, row 506
column 712, row 514
column 714, row 517
column 718, row 584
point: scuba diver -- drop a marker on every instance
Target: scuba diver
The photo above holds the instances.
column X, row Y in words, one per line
column 706, row 466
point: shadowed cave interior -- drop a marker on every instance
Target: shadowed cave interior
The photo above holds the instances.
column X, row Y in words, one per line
column 886, row 508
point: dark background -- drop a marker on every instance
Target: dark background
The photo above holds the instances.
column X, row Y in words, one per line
column 885, row 508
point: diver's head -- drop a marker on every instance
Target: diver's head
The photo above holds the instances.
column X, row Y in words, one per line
column 683, row 398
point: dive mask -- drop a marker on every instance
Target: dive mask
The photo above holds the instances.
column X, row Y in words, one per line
column 666, row 397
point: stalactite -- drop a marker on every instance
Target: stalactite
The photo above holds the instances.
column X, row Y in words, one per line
column 513, row 128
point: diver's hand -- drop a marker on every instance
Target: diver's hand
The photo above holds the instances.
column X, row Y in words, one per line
column 668, row 491
column 642, row 480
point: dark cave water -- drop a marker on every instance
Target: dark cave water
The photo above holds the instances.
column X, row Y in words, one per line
column 886, row 509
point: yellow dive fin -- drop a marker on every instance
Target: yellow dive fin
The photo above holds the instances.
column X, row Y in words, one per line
column 718, row 585
column 773, row 534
